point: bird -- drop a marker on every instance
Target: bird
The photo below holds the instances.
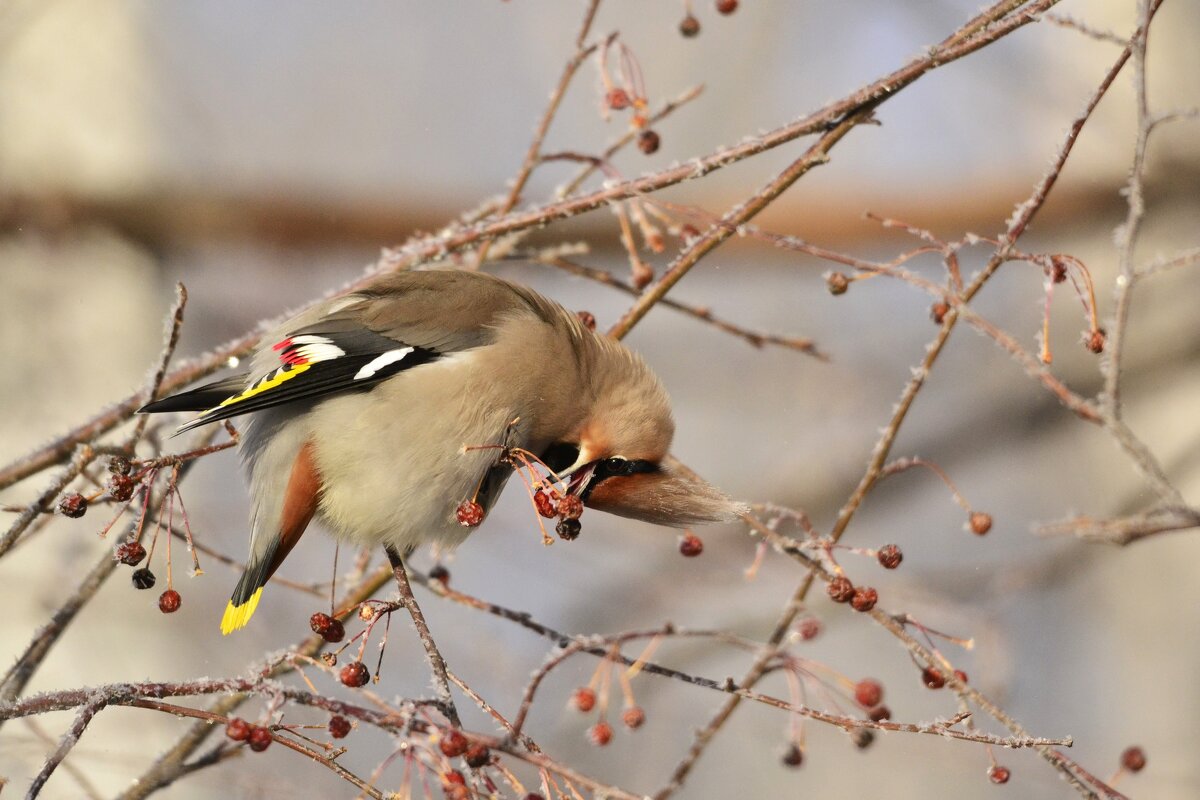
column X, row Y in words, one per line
column 381, row 411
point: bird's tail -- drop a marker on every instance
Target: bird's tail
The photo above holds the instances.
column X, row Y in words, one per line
column 246, row 594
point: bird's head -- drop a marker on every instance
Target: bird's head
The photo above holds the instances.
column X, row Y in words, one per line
column 617, row 460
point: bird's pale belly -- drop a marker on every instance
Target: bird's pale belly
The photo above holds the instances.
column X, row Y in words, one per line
column 388, row 479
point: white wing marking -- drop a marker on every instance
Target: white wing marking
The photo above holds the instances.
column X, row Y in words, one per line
column 376, row 364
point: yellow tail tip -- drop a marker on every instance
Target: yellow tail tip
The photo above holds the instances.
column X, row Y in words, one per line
column 237, row 616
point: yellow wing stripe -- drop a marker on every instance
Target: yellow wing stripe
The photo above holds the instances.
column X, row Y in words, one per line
column 237, row 616
column 264, row 386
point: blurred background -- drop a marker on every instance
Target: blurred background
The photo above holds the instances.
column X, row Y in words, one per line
column 263, row 155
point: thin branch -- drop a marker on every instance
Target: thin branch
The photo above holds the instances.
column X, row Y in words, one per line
column 741, row 214
column 84, row 454
column 68, row 741
column 582, row 51
column 1125, row 530
column 1185, row 259
column 753, row 338
column 441, row 678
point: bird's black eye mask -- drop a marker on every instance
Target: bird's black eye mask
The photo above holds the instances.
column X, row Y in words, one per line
column 561, row 455
column 616, row 467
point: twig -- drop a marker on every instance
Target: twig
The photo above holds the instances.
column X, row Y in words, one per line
column 68, row 741
column 216, row 719
column 1125, row 530
column 1135, row 197
column 582, row 51
column 754, row 338
column 171, row 331
column 441, row 678
column 77, row 775
column 1185, row 259
column 741, row 214
column 83, row 456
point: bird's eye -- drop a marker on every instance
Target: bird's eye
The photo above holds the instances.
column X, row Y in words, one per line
column 560, row 455
column 617, row 466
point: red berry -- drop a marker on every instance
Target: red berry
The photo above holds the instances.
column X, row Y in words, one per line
column 793, row 757
column 633, row 717
column 328, row 628
column 570, row 507
column 545, row 504
column 439, row 573
column 477, row 756
column 690, row 545
column 879, row 713
column 648, row 142
column 998, row 774
column 1133, row 759
column 143, row 579
column 130, row 553
column 864, row 599
column 837, row 283
column 469, row 513
column 454, row 778
column 1095, row 341
column 568, row 529
column 809, row 627
column 169, row 601
column 121, row 487
column 588, row 319
column 601, row 734
column 840, row 589
column 584, row 699
column 932, row 678
column 73, row 505
column 727, row 6
column 868, row 693
column 960, row 676
column 890, row 556
column 259, row 739
column 237, row 729
column 119, row 465
column 453, row 744
column 980, row 522
column 1058, row 271
column 938, row 311
column 617, row 99
column 355, row 674
column 339, row 727
column 689, row 26
column 534, row 796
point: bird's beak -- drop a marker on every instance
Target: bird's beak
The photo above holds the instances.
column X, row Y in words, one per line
column 666, row 496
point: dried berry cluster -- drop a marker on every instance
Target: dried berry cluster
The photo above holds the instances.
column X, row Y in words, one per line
column 568, row 508
column 256, row 736
column 861, row 598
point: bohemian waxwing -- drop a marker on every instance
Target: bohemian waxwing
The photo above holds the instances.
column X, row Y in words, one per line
column 381, row 411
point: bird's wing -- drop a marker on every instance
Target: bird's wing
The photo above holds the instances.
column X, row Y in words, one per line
column 351, row 343
column 309, row 363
